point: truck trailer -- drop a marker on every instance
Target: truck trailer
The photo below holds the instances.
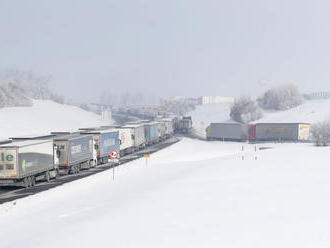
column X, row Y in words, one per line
column 151, row 132
column 168, row 126
column 295, row 132
column 139, row 138
column 74, row 152
column 227, row 131
column 25, row 162
column 105, row 141
column 126, row 140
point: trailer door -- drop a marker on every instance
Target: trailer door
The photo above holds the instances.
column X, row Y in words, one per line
column 8, row 163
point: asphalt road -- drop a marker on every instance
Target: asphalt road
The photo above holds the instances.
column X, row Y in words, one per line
column 12, row 193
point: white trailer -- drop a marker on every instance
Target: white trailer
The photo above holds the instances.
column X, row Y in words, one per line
column 126, row 140
column 23, row 163
column 126, row 136
column 161, row 130
column 139, row 138
column 169, row 126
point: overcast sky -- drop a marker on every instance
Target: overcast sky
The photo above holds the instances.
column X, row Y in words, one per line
column 169, row 47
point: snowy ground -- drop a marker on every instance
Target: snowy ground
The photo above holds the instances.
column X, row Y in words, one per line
column 192, row 194
column 309, row 112
column 43, row 117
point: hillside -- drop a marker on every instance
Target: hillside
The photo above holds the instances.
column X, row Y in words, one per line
column 309, row 112
column 43, row 117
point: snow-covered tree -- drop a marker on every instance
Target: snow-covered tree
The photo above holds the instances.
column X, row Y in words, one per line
column 281, row 98
column 321, row 133
column 245, row 110
column 17, row 88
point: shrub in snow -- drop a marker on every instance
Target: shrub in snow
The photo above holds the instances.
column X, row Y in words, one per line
column 321, row 133
column 245, row 110
column 281, row 98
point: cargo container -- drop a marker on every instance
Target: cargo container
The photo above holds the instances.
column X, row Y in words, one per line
column 74, row 152
column 151, row 132
column 161, row 130
column 105, row 141
column 138, row 135
column 283, row 132
column 184, row 125
column 168, row 126
column 126, row 136
column 25, row 162
column 227, row 131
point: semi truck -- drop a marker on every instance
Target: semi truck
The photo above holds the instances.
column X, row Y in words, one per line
column 74, row 152
column 227, row 131
column 25, row 162
column 104, row 142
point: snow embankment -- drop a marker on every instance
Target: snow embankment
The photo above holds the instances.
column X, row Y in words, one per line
column 194, row 193
column 43, row 117
column 309, row 112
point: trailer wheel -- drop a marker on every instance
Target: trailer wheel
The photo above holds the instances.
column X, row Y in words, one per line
column 47, row 176
column 26, row 183
column 33, row 181
column 57, row 173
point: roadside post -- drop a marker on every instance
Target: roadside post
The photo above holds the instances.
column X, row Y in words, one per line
column 255, row 151
column 114, row 155
column 242, row 149
column 146, row 156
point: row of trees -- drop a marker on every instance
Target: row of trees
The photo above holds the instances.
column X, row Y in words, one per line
column 245, row 109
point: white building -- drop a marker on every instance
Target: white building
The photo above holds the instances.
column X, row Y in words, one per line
column 216, row 99
column 106, row 115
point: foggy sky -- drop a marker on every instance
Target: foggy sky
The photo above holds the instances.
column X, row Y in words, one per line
column 168, row 47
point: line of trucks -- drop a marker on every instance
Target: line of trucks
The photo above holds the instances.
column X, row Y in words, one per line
column 25, row 160
column 259, row 132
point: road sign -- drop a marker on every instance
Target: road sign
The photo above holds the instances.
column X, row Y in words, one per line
column 146, row 155
column 114, row 154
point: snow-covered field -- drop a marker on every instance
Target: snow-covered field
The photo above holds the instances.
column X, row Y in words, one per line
column 192, row 194
column 43, row 117
column 309, row 112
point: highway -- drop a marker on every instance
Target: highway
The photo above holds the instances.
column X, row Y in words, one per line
column 8, row 194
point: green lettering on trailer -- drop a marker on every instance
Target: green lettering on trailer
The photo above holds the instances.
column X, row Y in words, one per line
column 10, row 157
